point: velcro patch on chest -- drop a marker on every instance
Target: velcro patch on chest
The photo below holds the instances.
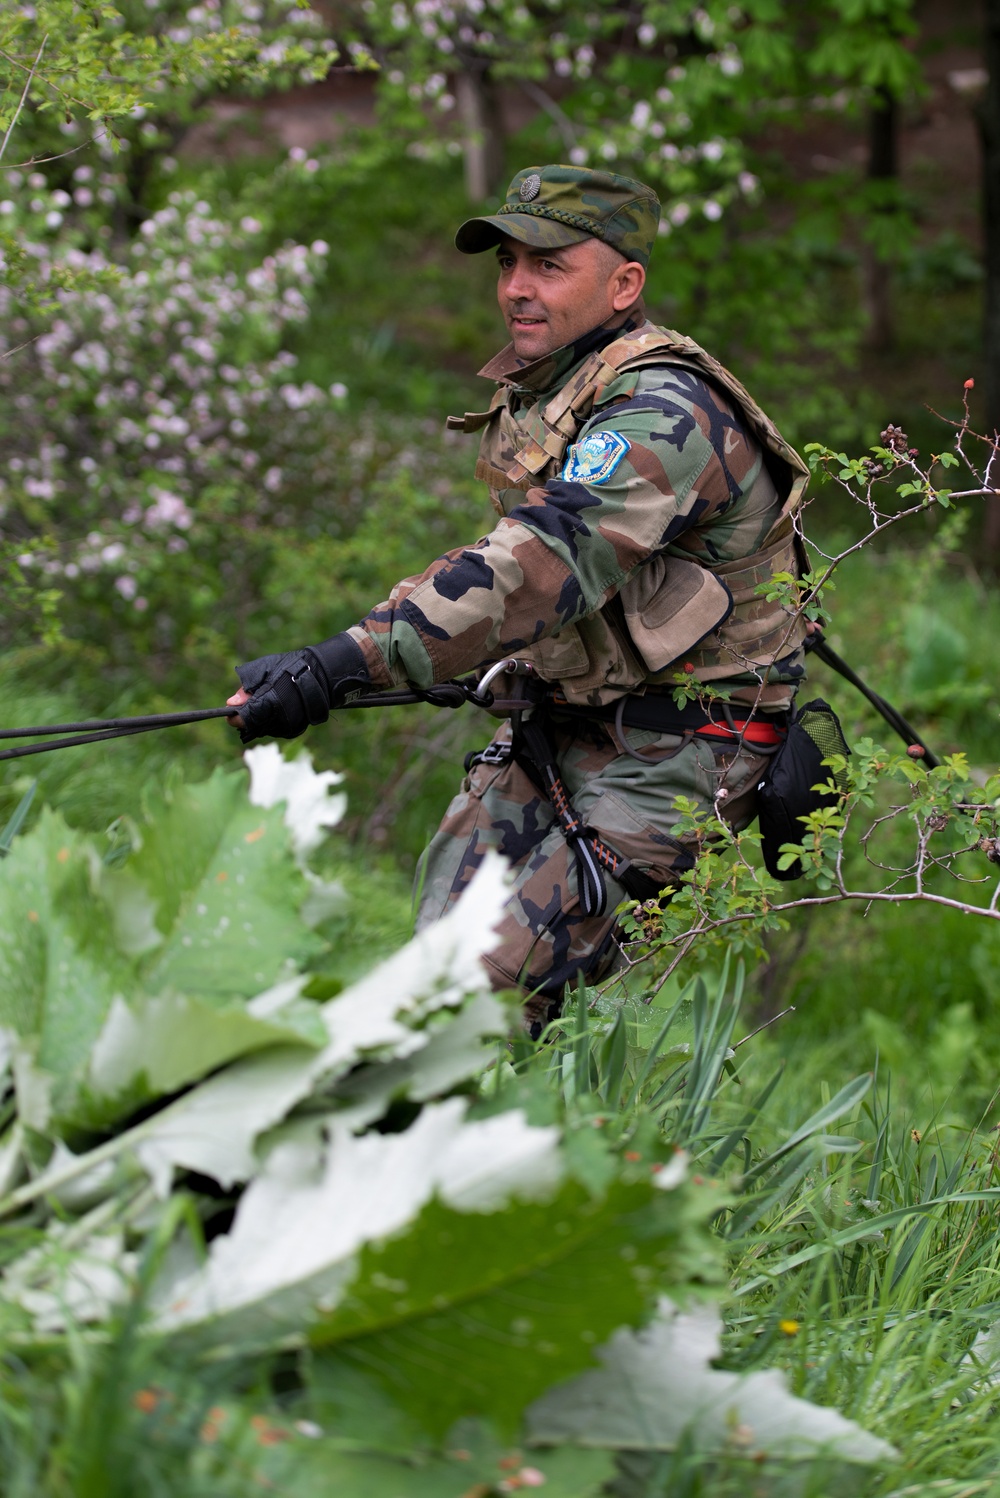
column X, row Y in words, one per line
column 595, row 459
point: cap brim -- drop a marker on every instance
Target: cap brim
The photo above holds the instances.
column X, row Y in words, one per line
column 479, row 234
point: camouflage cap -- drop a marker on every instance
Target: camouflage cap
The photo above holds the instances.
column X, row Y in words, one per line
column 552, row 206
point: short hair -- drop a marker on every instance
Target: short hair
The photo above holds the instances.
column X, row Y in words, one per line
column 610, row 258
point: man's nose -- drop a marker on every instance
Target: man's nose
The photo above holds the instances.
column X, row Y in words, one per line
column 519, row 284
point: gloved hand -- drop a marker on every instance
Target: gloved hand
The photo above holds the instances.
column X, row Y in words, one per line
column 289, row 692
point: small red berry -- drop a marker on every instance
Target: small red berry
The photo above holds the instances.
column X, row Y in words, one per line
column 970, row 384
column 916, row 751
column 689, row 668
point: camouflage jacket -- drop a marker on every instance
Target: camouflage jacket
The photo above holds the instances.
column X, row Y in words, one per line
column 644, row 497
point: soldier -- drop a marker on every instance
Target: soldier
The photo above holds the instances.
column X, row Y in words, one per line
column 643, row 498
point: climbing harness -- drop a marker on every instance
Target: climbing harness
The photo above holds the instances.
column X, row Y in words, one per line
column 533, row 748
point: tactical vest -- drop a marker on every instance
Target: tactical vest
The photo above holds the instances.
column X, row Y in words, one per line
column 675, row 613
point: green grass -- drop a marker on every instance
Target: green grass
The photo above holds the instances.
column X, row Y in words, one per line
column 862, row 1264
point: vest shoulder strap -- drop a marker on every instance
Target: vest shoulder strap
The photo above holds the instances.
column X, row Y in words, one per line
column 570, row 408
column 664, row 346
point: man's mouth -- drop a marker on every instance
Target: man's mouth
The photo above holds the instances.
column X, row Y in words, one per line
column 522, row 320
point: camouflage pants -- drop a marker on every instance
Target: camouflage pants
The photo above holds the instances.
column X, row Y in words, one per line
column 545, row 937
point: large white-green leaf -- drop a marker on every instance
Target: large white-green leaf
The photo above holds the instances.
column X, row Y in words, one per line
column 468, row 1314
column 310, row 809
column 69, row 1280
column 453, row 1053
column 213, row 1128
column 172, row 1040
column 657, row 1386
column 300, row 1225
column 207, row 907
column 210, row 902
column 456, row 1263
column 84, row 1189
column 387, row 1012
column 59, row 966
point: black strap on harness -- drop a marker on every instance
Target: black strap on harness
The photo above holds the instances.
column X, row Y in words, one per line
column 593, row 856
column 533, row 748
column 761, row 731
column 816, row 644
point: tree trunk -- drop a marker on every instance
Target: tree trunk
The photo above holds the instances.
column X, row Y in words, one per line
column 484, row 137
column 989, row 130
column 883, row 166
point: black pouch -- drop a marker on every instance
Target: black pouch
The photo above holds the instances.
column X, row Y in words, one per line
column 786, row 793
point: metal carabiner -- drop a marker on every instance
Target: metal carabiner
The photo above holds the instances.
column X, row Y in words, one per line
column 482, row 695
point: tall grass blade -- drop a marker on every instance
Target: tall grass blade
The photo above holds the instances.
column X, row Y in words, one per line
column 713, row 1032
column 751, row 1115
column 841, row 1103
column 653, row 1054
column 867, row 1229
column 17, row 821
column 914, row 1235
column 612, row 1058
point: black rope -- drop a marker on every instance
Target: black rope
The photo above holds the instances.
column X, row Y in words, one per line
column 97, row 730
column 448, row 694
column 125, row 725
column 102, row 729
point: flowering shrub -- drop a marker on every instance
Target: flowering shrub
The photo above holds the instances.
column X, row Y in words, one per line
column 620, row 109
column 128, row 79
column 671, row 93
column 151, row 427
column 174, row 490
column 99, row 63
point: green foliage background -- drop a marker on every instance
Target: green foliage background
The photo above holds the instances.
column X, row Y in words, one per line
column 371, row 489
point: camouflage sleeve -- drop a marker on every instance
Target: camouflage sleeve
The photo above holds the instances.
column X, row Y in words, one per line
column 642, row 473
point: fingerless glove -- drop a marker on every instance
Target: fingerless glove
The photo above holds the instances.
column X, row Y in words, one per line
column 291, row 691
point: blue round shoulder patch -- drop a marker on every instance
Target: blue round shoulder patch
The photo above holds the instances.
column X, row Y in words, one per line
column 595, row 459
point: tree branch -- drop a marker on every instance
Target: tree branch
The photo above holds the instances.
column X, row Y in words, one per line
column 24, row 96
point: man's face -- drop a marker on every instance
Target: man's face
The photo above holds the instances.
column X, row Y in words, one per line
column 551, row 297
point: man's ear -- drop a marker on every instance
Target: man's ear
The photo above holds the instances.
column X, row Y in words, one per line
column 629, row 280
